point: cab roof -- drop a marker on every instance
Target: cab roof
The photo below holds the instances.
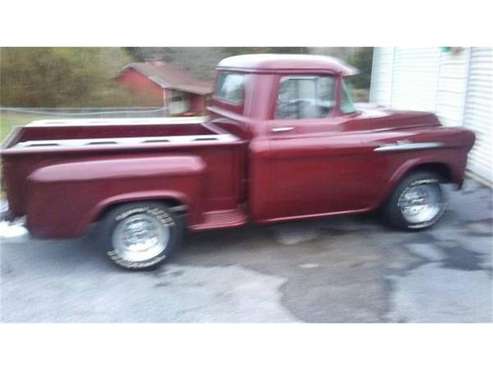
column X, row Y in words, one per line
column 286, row 62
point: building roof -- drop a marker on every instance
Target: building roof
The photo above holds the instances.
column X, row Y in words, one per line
column 286, row 62
column 170, row 76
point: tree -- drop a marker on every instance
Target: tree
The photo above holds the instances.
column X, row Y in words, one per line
column 362, row 59
column 201, row 61
column 51, row 77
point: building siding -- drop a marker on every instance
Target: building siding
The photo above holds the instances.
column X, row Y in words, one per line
column 478, row 110
column 451, row 87
column 153, row 94
column 413, row 81
column 150, row 92
column 454, row 85
column 382, row 73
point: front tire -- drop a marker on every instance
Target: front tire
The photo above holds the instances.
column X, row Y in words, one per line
column 141, row 235
column 417, row 203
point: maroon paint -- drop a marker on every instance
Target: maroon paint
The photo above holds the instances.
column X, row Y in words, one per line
column 322, row 167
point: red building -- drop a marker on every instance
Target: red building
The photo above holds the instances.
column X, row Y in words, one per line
column 167, row 85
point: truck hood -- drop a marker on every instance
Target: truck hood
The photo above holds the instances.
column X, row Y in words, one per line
column 372, row 116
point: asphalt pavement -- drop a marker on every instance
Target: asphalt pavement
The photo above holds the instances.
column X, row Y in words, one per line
column 338, row 269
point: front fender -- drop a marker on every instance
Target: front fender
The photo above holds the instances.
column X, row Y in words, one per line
column 63, row 199
column 454, row 165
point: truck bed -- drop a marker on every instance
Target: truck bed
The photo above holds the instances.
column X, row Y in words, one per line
column 62, row 134
column 113, row 142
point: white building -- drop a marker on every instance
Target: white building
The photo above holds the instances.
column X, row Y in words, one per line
column 455, row 83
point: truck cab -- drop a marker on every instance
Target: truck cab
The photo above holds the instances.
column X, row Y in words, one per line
column 312, row 151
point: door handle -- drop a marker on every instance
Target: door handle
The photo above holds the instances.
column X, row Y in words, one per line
column 282, row 129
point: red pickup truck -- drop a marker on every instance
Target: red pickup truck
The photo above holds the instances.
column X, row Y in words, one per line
column 283, row 141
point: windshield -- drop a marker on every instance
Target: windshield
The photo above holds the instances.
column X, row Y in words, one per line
column 347, row 105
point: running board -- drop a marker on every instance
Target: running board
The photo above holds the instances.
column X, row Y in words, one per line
column 222, row 220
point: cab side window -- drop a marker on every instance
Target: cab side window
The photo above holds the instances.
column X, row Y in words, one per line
column 305, row 97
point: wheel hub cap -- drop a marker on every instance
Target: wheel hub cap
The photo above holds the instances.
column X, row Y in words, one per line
column 140, row 237
column 420, row 203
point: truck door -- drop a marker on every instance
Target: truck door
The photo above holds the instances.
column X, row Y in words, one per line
column 315, row 166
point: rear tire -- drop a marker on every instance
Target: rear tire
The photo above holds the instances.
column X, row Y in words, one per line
column 141, row 235
column 417, row 203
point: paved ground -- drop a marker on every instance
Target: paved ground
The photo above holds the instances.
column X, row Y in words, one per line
column 344, row 269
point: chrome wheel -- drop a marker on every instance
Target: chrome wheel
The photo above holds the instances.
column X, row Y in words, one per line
column 140, row 237
column 421, row 203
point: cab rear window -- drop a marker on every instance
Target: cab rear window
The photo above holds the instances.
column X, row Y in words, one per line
column 230, row 87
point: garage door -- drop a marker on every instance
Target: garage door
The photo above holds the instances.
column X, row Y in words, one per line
column 478, row 112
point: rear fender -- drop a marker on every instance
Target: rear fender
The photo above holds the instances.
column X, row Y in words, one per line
column 181, row 202
column 63, row 199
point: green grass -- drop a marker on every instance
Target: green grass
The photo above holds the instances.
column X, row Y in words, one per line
column 8, row 120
